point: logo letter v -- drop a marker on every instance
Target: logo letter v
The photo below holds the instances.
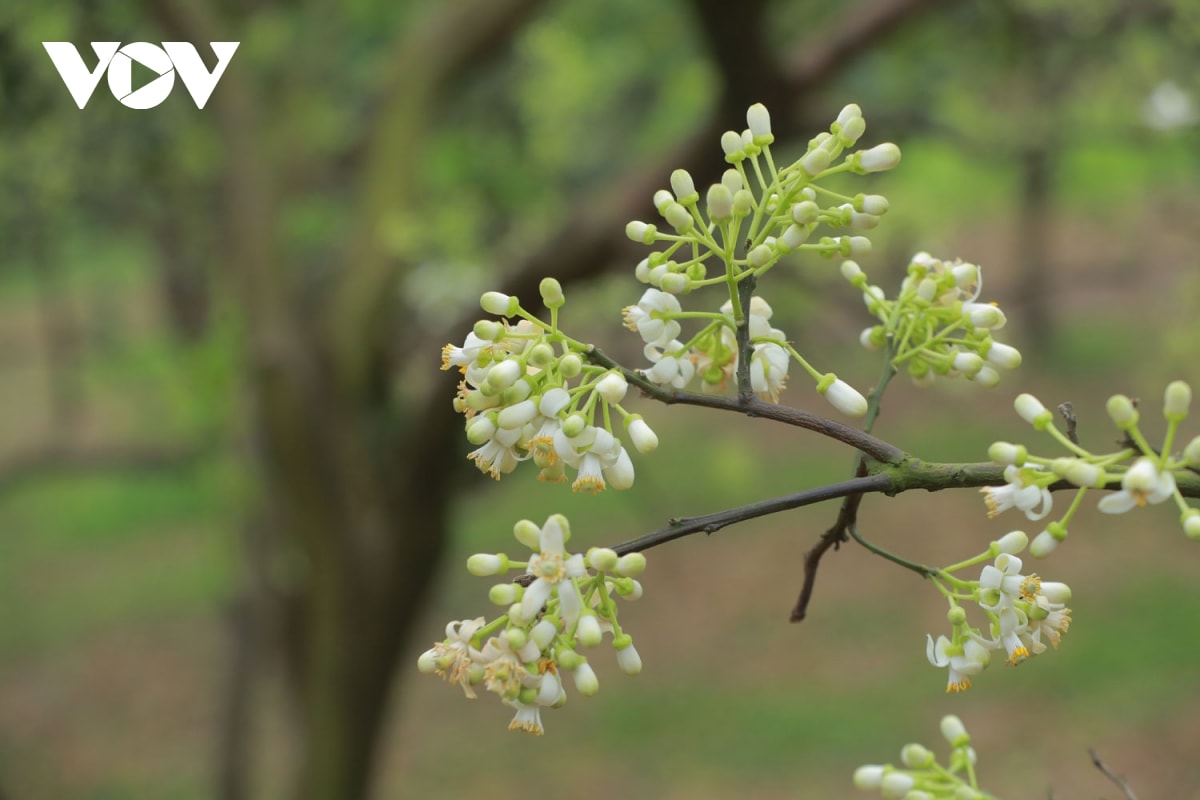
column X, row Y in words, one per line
column 80, row 82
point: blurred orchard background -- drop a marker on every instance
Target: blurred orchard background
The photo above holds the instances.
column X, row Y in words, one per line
column 234, row 498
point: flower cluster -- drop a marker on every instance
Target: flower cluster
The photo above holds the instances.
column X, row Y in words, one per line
column 746, row 224
column 1146, row 475
column 921, row 777
column 1023, row 612
column 529, row 394
column 936, row 325
column 563, row 603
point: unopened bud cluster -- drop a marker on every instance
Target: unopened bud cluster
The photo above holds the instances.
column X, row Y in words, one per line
column 936, row 325
column 563, row 604
column 528, row 394
column 744, row 225
column 921, row 777
column 1146, row 475
column 1023, row 613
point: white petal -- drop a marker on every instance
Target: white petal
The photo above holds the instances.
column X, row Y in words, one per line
column 1117, row 503
column 534, row 598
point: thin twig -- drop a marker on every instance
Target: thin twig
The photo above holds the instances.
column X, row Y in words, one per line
column 711, row 523
column 848, row 514
column 1120, row 782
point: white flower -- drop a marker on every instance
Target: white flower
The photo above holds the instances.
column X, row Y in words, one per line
column 668, row 369
column 650, row 317
column 554, row 572
column 452, row 658
column 769, row 370
column 846, row 398
column 494, row 458
column 964, row 661
column 1141, row 484
column 528, row 718
column 1001, row 583
column 1020, row 492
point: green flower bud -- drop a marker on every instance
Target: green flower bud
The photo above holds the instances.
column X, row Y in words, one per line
column 1176, row 401
column 720, row 203
column 570, row 365
column 1122, row 412
column 552, row 293
column 499, row 303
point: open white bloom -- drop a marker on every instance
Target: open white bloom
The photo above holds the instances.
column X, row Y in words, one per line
column 1020, row 492
column 769, row 370
column 452, row 658
column 1142, row 483
column 554, row 572
column 964, row 661
column 669, row 369
column 650, row 317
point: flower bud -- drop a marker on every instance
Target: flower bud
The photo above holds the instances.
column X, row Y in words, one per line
column 1191, row 453
column 673, row 283
column 661, row 198
column 1191, row 523
column 612, row 387
column 505, row 594
column 516, row 416
column 641, row 232
column 529, row 534
column 986, row 377
column 793, row 237
column 732, row 181
column 679, row 218
column 852, row 131
column 1007, row 453
column 842, row 396
column 874, row 204
column 586, row 682
column 805, row 213
column 760, row 256
column 603, row 559
column 915, row 756
column 684, row 187
column 588, row 631
column 879, row 158
column 552, row 293
column 853, row 273
column 815, row 161
column 720, row 203
column 855, row 246
column 869, row 776
column 1003, row 356
column 1081, row 473
column 503, row 375
column 1176, row 401
column 480, row 429
column 1011, row 543
column 620, row 474
column 627, row 655
column 968, row 363
column 488, row 329
column 631, row 564
column 1032, row 411
column 500, row 304
column 483, row 564
column 1122, row 412
column 984, row 316
column 570, row 365
column 954, row 731
column 1055, row 592
column 743, row 203
column 731, row 143
column 644, row 439
column 897, row 784
column 759, row 120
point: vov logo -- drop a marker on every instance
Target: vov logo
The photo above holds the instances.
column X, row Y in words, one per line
column 165, row 62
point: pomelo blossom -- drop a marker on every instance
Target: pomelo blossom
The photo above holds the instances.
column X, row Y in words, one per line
column 1142, row 483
